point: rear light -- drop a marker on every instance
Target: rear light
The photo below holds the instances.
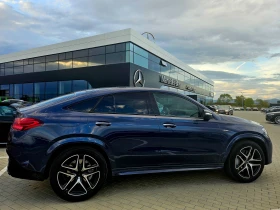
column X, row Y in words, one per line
column 23, row 124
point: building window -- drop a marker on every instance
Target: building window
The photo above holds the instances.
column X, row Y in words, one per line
column 28, row 68
column 110, row 49
column 80, row 53
column 39, row 67
column 96, row 60
column 50, row 58
column 18, row 70
column 65, row 64
column 97, row 51
column 9, row 65
column 51, row 90
column 140, row 61
column 18, row 63
column 79, row 85
column 40, row 59
column 51, row 66
column 120, row 47
column 9, row 71
column 80, row 62
column 140, row 51
column 64, row 87
column 115, row 58
column 39, row 91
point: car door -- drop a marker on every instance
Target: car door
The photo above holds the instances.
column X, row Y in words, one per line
column 188, row 139
column 127, row 125
column 7, row 115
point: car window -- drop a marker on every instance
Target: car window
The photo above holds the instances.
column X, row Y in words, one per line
column 132, row 103
column 172, row 105
column 84, row 106
column 6, row 111
column 106, row 105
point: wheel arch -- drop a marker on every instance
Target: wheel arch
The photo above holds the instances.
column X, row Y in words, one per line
column 57, row 150
column 254, row 138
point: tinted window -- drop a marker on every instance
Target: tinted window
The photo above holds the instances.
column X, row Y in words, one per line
column 79, row 85
column 28, row 89
column 52, row 58
column 64, row 87
column 68, row 55
column 110, row 49
column 39, row 67
column 97, row 51
column 9, row 71
column 2, row 65
column 96, row 60
column 84, row 106
column 106, row 105
column 10, row 64
column 80, row 53
column 140, row 51
column 18, row 70
column 120, row 47
column 66, row 64
column 115, row 58
column 131, row 103
column 40, row 59
column 141, row 61
column 80, row 62
column 28, row 68
column 172, row 105
column 50, row 66
column 51, row 88
column 18, row 63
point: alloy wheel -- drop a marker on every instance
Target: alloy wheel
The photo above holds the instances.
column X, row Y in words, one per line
column 277, row 120
column 78, row 174
column 248, row 162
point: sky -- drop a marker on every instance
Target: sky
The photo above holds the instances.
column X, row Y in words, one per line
column 235, row 43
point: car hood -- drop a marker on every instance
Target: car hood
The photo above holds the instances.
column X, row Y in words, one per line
column 234, row 119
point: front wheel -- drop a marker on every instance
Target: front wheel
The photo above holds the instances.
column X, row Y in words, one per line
column 245, row 162
column 78, row 173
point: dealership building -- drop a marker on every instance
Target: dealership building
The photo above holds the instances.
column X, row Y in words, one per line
column 121, row 58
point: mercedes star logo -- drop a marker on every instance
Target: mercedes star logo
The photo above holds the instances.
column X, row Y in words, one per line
column 138, row 79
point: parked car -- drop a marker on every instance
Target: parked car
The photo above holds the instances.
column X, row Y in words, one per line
column 263, row 109
column 248, row 109
column 273, row 117
column 224, row 109
column 12, row 101
column 241, row 108
column 255, row 109
column 236, row 108
column 7, row 115
column 80, row 139
column 212, row 108
column 273, row 110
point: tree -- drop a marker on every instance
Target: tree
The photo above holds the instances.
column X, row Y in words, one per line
column 262, row 103
column 239, row 100
column 224, row 98
column 249, row 102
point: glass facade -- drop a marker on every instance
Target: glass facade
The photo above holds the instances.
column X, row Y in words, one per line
column 104, row 55
column 43, row 90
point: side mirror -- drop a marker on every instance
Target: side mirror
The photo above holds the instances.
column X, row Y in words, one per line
column 207, row 115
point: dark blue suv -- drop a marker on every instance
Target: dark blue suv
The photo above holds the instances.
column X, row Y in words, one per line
column 81, row 139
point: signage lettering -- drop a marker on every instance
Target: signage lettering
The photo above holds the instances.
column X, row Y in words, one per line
column 169, row 81
column 189, row 88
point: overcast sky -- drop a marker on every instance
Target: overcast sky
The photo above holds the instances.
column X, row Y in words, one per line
column 236, row 43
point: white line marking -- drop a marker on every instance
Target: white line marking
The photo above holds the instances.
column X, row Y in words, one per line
column 3, row 171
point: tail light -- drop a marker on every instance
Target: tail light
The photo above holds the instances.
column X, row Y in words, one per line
column 23, row 124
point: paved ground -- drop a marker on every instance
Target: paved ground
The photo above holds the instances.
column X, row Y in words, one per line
column 186, row 190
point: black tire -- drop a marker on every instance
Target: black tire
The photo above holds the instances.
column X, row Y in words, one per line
column 277, row 120
column 238, row 171
column 88, row 176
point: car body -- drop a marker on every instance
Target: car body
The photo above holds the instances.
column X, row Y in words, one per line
column 273, row 109
column 7, row 115
column 12, row 101
column 224, row 109
column 255, row 109
column 236, row 108
column 212, row 108
column 81, row 139
column 273, row 117
column 248, row 109
column 241, row 108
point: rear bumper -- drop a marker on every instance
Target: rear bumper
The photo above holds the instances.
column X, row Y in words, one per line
column 17, row 171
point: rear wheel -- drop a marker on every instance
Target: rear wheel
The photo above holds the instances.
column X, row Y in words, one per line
column 245, row 162
column 78, row 173
column 277, row 120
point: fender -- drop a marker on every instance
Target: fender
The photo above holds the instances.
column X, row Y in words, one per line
column 67, row 141
column 252, row 136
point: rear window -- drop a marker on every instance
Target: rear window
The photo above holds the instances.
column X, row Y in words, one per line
column 84, row 106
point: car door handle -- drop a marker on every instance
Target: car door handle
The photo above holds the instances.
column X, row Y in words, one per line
column 102, row 123
column 169, row 125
